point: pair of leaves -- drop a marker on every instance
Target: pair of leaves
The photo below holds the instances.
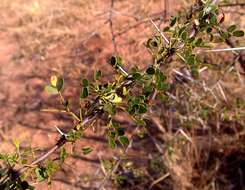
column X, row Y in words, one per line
column 122, row 139
column 85, row 90
column 56, row 85
column 137, row 105
column 237, row 33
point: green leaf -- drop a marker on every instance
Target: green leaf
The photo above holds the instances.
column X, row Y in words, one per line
column 198, row 42
column 85, row 83
column 124, row 140
column 120, row 131
column 110, row 108
column 142, row 109
column 162, row 86
column 60, row 83
column 150, row 71
column 74, row 135
column 231, row 28
column 140, row 122
column 191, row 60
column 184, row 36
column 115, row 61
column 98, row 75
column 213, row 20
column 86, row 150
column 112, row 143
column 136, row 76
column 224, row 35
column 51, row 168
column 166, row 29
column 57, row 82
column 148, row 90
column 209, row 30
column 51, row 90
column 41, row 174
column 84, row 92
column 194, row 71
column 181, row 30
column 238, row 33
column 173, row 21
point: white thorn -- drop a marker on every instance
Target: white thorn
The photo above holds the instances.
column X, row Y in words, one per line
column 164, row 37
column 61, row 133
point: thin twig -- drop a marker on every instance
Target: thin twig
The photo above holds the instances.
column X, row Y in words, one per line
column 223, row 50
column 111, row 27
column 154, row 17
column 159, row 180
column 232, row 5
column 162, row 34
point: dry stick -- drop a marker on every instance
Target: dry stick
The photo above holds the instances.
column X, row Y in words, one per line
column 111, row 27
column 232, row 5
column 166, row 8
column 154, row 17
column 223, row 49
column 159, row 180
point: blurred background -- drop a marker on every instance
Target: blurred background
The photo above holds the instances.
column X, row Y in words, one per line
column 74, row 38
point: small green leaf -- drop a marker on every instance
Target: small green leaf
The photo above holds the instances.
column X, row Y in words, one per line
column 190, row 60
column 41, row 174
column 60, row 84
column 194, row 71
column 110, row 108
column 124, row 140
column 238, row 33
column 112, row 143
column 51, row 89
column 182, row 30
column 74, row 135
column 148, row 90
column 166, row 29
column 84, row 93
column 98, row 75
column 173, row 21
column 224, row 35
column 86, row 150
column 198, row 42
column 142, row 109
column 140, row 122
column 213, row 20
column 115, row 61
column 136, row 76
column 231, row 28
column 184, row 36
column 209, row 30
column 57, row 82
column 85, row 83
column 150, row 71
column 51, row 168
column 120, row 131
